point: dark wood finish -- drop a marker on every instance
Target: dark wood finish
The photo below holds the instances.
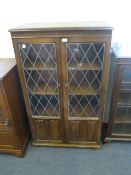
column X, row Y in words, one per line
column 122, row 64
column 64, row 131
column 59, row 26
column 14, row 131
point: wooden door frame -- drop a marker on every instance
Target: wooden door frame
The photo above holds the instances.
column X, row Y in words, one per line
column 104, row 77
column 17, row 41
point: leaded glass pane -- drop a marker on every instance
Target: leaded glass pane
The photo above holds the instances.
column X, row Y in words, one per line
column 40, row 71
column 84, row 65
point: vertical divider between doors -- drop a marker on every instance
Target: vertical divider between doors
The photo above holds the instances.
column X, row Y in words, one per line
column 65, row 95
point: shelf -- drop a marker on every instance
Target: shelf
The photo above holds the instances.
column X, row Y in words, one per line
column 83, row 91
column 84, row 67
column 49, row 90
column 41, row 67
column 123, row 105
column 122, row 121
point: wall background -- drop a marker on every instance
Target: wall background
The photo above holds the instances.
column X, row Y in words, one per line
column 14, row 12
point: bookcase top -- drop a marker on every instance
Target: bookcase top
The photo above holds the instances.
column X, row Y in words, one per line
column 90, row 25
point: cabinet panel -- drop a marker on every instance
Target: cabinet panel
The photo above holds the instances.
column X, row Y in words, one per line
column 48, row 130
column 82, row 131
column 5, row 140
column 41, row 129
column 6, row 134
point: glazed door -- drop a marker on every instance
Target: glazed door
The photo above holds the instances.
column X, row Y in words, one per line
column 41, row 73
column 82, row 69
column 121, row 112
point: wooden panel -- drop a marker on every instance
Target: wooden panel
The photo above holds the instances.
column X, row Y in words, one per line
column 3, row 109
column 5, row 130
column 82, row 131
column 47, row 129
column 17, row 110
column 13, row 120
column 5, row 139
column 74, row 130
column 54, row 130
column 91, row 131
column 41, row 127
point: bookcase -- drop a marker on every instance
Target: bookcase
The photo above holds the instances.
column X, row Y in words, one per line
column 63, row 69
column 119, row 124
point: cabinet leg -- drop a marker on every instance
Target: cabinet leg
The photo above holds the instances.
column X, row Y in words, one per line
column 20, row 154
column 106, row 141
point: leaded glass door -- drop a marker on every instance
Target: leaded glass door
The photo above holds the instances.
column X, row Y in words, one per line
column 42, row 79
column 122, row 113
column 84, row 66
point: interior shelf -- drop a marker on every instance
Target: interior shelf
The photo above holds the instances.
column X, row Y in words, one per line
column 83, row 90
column 40, row 67
column 82, row 66
column 43, row 89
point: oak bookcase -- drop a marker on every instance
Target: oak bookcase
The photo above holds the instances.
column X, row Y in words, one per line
column 63, row 69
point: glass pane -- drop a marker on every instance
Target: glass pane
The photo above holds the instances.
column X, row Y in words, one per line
column 123, row 114
column 124, row 97
column 121, row 128
column 44, row 105
column 126, row 76
column 125, row 86
column 83, row 106
column 84, row 65
column 40, row 71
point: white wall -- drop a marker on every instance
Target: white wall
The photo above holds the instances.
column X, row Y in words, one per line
column 15, row 12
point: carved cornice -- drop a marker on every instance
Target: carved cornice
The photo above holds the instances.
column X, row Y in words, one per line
column 40, row 34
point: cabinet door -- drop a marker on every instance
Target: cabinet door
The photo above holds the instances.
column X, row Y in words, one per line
column 41, row 74
column 82, row 89
column 6, row 133
column 121, row 108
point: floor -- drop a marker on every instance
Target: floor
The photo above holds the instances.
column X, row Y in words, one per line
column 112, row 159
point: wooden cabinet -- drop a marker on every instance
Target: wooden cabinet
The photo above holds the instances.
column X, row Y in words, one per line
column 63, row 70
column 14, row 133
column 119, row 125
